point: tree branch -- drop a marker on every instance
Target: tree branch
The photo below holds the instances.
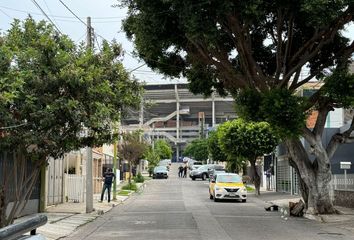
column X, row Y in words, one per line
column 244, row 48
column 315, row 44
column 231, row 78
column 324, row 34
column 279, row 54
column 321, row 119
column 339, row 138
column 309, row 136
column 289, row 42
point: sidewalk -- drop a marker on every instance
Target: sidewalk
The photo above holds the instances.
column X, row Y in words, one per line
column 344, row 220
column 64, row 218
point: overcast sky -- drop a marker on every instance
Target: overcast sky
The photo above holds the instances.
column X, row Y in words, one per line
column 106, row 22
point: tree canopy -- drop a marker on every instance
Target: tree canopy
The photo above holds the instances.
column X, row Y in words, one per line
column 214, row 148
column 237, row 44
column 163, row 149
column 52, row 91
column 197, row 149
column 249, row 140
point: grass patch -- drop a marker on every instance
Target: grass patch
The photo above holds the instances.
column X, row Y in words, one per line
column 249, row 189
column 147, row 178
column 124, row 192
column 131, row 186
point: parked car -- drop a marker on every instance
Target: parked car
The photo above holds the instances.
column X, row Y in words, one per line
column 214, row 172
column 194, row 164
column 202, row 172
column 227, row 186
column 160, row 172
column 166, row 163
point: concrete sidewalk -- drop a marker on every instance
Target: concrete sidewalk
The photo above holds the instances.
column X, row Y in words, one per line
column 343, row 220
column 65, row 218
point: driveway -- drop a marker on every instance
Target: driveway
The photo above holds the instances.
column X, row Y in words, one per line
column 178, row 208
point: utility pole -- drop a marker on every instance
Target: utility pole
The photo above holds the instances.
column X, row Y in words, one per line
column 89, row 187
column 115, row 167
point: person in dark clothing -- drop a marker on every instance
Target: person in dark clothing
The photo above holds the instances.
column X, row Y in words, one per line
column 180, row 171
column 185, row 171
column 108, row 179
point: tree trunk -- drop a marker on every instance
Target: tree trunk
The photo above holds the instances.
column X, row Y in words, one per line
column 130, row 172
column 302, row 185
column 244, row 169
column 2, row 207
column 255, row 176
column 23, row 181
column 316, row 177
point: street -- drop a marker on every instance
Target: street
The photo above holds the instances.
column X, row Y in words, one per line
column 179, row 208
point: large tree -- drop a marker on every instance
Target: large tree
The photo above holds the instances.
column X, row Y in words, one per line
column 163, row 149
column 54, row 97
column 264, row 46
column 214, row 148
column 249, row 140
column 197, row 149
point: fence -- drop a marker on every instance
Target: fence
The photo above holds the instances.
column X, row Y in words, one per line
column 75, row 187
column 340, row 183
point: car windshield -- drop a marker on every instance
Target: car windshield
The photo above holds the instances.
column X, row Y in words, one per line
column 160, row 168
column 228, row 179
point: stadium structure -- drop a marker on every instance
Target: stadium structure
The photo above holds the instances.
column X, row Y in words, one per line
column 172, row 112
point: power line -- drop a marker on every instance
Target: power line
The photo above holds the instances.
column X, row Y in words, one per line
column 72, row 12
column 49, row 10
column 58, row 16
column 45, row 14
column 5, row 14
column 137, row 68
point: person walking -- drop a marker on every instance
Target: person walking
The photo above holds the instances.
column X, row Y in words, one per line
column 185, row 171
column 180, row 171
column 108, row 179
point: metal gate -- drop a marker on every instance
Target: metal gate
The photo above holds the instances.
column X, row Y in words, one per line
column 283, row 176
column 55, row 181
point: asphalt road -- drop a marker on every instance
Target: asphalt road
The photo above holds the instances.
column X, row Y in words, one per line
column 181, row 209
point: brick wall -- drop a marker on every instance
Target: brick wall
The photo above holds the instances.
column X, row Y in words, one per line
column 344, row 198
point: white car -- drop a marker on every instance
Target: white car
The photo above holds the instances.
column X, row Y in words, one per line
column 227, row 186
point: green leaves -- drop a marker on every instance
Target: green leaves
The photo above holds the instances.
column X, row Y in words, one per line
column 69, row 97
column 214, row 148
column 163, row 149
column 340, row 88
column 279, row 107
column 197, row 149
column 239, row 138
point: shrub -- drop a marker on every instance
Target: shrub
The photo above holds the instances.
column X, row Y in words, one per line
column 131, row 186
column 139, row 178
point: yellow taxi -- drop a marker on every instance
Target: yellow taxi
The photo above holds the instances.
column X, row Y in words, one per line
column 227, row 186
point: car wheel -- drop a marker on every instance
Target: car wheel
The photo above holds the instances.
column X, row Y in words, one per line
column 203, row 176
column 244, row 200
column 193, row 178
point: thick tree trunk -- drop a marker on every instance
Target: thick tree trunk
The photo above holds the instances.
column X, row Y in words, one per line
column 255, row 177
column 2, row 207
column 316, row 177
